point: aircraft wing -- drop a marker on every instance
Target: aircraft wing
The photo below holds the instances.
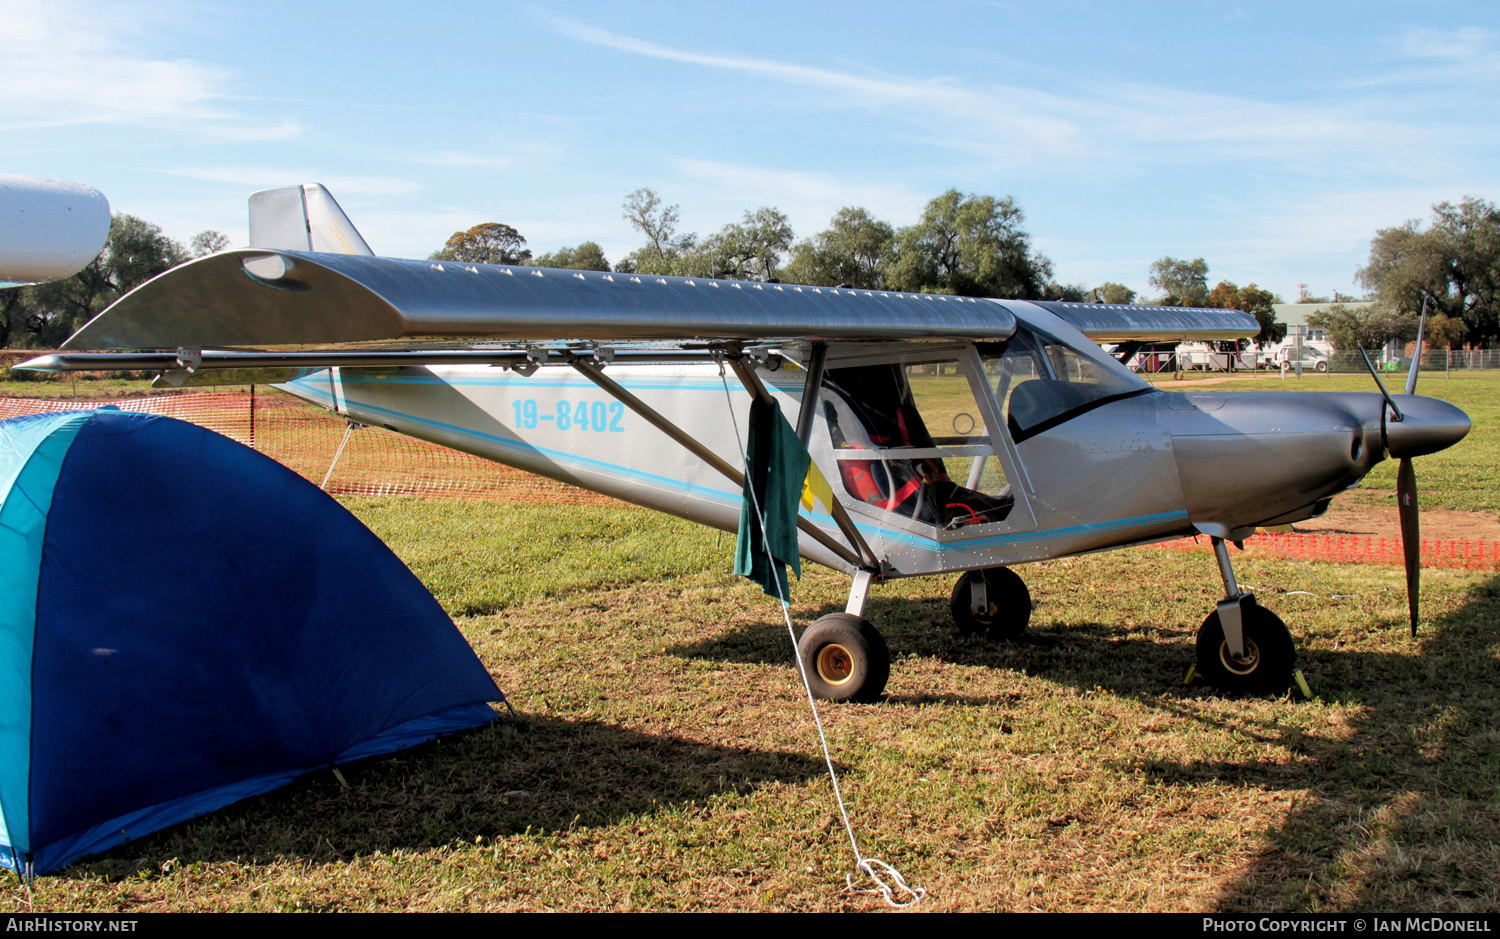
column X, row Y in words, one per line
column 1120, row 322
column 261, row 297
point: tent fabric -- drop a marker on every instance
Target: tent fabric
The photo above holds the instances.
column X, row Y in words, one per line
column 184, row 623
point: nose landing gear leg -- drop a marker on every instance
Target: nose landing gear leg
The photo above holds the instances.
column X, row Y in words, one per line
column 1243, row 648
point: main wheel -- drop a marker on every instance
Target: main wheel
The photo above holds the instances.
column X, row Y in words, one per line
column 1009, row 610
column 845, row 659
column 1270, row 653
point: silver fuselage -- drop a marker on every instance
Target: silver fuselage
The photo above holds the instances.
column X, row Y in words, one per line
column 1133, row 467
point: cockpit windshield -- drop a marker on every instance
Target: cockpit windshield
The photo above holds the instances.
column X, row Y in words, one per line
column 1042, row 381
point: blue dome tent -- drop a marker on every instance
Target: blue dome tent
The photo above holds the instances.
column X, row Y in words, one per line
column 185, row 623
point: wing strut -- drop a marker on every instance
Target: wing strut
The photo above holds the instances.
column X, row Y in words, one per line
column 753, row 384
column 593, row 373
column 811, row 390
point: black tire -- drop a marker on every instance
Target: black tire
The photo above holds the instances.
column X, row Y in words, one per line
column 1322, row 366
column 845, row 659
column 1271, row 653
column 1010, row 605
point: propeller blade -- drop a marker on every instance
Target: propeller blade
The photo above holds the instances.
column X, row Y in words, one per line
column 1416, row 359
column 1411, row 535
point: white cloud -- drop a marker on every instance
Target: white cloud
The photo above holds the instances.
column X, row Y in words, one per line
column 464, row 161
column 810, row 198
column 73, row 62
column 1025, row 118
column 286, row 130
column 265, row 177
column 1467, row 42
column 1095, row 130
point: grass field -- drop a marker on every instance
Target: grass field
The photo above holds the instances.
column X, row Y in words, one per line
column 664, row 758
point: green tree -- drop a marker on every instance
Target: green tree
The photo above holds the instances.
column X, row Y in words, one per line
column 1077, row 293
column 1182, row 283
column 664, row 248
column 750, row 249
column 1253, row 300
column 489, row 243
column 208, row 242
column 1444, row 331
column 586, row 257
column 1371, row 327
column 134, row 252
column 854, row 251
column 1456, row 261
column 14, row 307
column 972, row 246
column 1111, row 292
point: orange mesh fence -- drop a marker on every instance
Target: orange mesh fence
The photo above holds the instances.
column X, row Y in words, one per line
column 1471, row 555
column 306, row 439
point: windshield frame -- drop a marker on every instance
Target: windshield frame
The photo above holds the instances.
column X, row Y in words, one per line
column 1037, row 333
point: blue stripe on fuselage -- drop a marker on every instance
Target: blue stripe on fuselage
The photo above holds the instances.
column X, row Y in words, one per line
column 733, row 499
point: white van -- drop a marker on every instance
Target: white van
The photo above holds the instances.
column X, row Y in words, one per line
column 1316, row 354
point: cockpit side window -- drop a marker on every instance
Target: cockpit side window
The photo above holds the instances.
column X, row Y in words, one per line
column 887, row 424
column 1042, row 381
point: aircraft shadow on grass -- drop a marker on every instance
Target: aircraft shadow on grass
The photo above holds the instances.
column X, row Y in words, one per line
column 1402, row 812
column 1085, row 654
column 518, row 774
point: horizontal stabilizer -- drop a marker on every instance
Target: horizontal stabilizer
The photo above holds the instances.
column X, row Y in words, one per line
column 1122, row 322
column 252, row 297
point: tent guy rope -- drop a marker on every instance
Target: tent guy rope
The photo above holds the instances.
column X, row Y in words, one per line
column 888, row 880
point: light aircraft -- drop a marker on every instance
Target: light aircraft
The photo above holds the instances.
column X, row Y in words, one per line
column 961, row 436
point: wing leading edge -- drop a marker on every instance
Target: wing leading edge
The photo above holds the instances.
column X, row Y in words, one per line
column 264, row 297
column 1118, row 322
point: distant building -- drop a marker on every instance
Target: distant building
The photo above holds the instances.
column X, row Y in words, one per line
column 1296, row 314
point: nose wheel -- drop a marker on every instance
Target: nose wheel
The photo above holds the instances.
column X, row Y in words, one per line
column 1268, row 659
column 845, row 659
column 992, row 602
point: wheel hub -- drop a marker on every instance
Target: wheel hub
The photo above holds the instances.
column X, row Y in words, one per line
column 835, row 664
column 1240, row 666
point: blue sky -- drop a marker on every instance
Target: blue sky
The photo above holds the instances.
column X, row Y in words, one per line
column 1271, row 139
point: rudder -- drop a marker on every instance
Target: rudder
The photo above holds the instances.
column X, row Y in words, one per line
column 302, row 218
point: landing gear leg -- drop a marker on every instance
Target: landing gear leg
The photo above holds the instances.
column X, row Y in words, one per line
column 845, row 657
column 1242, row 648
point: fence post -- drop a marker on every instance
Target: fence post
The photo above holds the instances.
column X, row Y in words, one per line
column 252, row 417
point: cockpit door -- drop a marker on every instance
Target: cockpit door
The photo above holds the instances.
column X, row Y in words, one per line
column 917, row 442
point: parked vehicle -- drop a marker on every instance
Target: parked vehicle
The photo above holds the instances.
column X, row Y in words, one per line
column 1214, row 357
column 1316, row 354
column 1311, row 359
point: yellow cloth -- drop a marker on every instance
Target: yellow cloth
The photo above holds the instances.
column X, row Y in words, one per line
column 816, row 487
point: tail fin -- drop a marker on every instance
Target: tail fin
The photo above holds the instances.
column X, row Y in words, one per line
column 302, row 218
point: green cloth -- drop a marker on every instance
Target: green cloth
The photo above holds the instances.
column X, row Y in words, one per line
column 776, row 466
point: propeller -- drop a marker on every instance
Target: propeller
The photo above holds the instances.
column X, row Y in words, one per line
column 1406, row 476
